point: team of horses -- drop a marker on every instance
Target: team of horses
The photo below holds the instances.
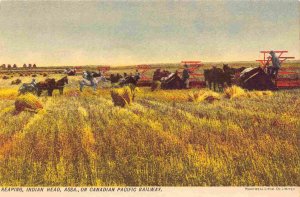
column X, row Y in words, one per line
column 48, row 85
column 220, row 78
column 248, row 78
column 215, row 78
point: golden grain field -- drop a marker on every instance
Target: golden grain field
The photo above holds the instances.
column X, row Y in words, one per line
column 163, row 138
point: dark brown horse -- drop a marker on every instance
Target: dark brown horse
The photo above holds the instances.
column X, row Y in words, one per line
column 51, row 84
column 48, row 85
column 158, row 74
column 217, row 78
column 115, row 78
column 60, row 84
column 129, row 80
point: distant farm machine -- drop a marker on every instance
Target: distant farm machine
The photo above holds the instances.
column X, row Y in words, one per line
column 80, row 69
column 103, row 69
column 192, row 66
column 143, row 69
column 287, row 77
column 144, row 79
column 195, row 77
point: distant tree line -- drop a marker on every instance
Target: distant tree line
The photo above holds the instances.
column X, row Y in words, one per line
column 9, row 66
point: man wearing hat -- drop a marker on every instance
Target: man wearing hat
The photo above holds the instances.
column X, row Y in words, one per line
column 273, row 69
column 137, row 75
column 186, row 76
column 89, row 76
column 33, row 83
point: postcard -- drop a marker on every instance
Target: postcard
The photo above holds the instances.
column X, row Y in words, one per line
column 149, row 98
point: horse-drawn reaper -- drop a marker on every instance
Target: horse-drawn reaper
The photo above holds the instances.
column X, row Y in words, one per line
column 266, row 76
column 283, row 77
column 49, row 85
column 256, row 79
column 28, row 87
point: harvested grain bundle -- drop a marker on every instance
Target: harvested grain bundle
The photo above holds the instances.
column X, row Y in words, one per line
column 16, row 82
column 155, row 85
column 203, row 95
column 28, row 102
column 34, row 75
column 267, row 93
column 45, row 75
column 235, row 92
column 5, row 77
column 123, row 96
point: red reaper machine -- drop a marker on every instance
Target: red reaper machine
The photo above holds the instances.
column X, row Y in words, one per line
column 143, row 70
column 287, row 77
column 270, row 75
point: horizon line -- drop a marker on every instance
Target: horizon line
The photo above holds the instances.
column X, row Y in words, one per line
column 157, row 63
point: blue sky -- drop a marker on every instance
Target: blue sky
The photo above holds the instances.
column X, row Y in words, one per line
column 128, row 32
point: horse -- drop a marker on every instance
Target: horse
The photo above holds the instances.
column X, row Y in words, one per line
column 51, row 84
column 96, row 74
column 60, row 84
column 48, row 85
column 129, row 80
column 16, row 82
column 216, row 77
column 96, row 81
column 158, row 74
column 115, row 78
column 232, row 71
column 70, row 72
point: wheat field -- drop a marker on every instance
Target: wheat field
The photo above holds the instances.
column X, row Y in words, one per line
column 164, row 138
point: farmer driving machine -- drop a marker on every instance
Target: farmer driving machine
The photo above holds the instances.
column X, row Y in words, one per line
column 286, row 77
column 195, row 76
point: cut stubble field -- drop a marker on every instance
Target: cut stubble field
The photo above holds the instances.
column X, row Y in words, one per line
column 161, row 139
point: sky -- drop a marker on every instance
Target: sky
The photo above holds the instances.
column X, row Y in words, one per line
column 138, row 32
